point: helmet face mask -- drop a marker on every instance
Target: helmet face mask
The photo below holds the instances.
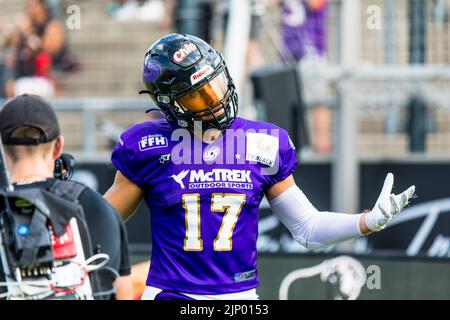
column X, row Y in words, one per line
column 189, row 81
column 212, row 102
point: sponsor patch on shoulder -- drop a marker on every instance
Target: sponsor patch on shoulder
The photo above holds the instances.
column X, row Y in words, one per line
column 262, row 148
column 152, row 141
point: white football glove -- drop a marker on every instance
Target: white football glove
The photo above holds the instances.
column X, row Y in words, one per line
column 388, row 205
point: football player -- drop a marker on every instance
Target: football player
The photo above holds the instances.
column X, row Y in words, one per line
column 204, row 191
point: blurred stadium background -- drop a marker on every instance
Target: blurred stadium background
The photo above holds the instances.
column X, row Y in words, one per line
column 383, row 106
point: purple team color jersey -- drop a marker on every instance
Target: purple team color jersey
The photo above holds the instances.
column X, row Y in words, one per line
column 204, row 216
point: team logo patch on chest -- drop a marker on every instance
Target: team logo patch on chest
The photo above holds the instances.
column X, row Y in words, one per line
column 262, row 148
column 210, row 154
column 152, row 141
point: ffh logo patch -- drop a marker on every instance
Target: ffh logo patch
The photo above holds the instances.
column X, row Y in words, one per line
column 152, row 141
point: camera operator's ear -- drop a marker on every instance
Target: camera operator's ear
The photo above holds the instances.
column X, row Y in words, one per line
column 59, row 144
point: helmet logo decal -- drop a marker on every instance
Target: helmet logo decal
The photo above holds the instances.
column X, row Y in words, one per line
column 183, row 52
column 152, row 71
column 201, row 74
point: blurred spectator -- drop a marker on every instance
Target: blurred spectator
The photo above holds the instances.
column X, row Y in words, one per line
column 304, row 28
column 304, row 31
column 197, row 17
column 52, row 33
column 11, row 43
column 34, row 47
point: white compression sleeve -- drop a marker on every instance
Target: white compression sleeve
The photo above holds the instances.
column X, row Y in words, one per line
column 310, row 227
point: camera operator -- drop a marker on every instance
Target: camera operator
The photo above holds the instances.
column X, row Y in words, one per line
column 32, row 143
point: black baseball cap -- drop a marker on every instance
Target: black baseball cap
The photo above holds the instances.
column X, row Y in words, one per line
column 30, row 111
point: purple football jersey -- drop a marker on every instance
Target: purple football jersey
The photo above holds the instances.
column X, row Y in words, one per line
column 204, row 199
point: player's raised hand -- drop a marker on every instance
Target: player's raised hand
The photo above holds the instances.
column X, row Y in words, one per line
column 388, row 205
